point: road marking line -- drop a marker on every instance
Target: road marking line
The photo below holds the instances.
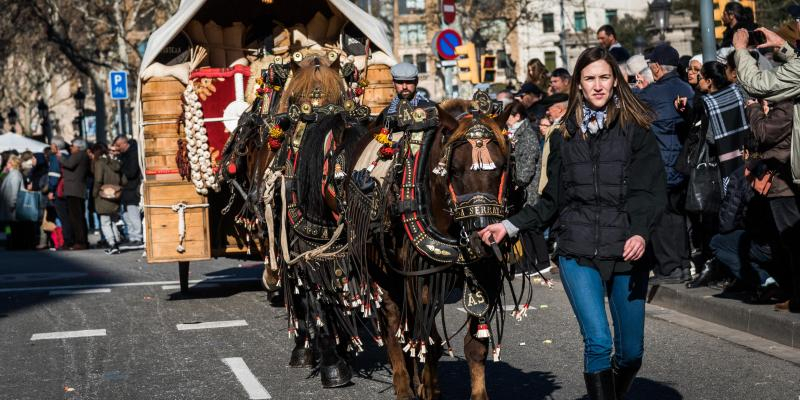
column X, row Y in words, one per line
column 211, row 325
column 249, row 381
column 198, row 285
column 114, row 285
column 68, row 334
column 79, row 291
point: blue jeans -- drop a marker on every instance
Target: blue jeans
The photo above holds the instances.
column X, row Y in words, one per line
column 626, row 294
column 743, row 257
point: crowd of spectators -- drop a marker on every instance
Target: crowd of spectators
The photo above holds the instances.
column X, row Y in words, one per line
column 724, row 128
column 56, row 198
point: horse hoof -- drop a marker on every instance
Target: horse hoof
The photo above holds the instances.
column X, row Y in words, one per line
column 336, row 375
column 276, row 299
column 301, row 358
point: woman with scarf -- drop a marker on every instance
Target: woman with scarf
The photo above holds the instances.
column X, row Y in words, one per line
column 723, row 125
column 606, row 184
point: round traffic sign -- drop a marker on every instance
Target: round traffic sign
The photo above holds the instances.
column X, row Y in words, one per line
column 448, row 11
column 445, row 43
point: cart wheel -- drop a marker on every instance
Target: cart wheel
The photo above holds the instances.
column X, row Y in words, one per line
column 183, row 272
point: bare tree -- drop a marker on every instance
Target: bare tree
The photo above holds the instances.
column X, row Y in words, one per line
column 94, row 37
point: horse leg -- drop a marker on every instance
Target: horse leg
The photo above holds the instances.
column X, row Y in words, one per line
column 394, row 349
column 302, row 356
column 333, row 369
column 475, row 351
column 429, row 390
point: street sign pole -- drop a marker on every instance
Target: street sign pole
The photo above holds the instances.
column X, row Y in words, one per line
column 118, row 87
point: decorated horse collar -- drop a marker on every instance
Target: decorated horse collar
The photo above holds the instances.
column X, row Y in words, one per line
column 307, row 112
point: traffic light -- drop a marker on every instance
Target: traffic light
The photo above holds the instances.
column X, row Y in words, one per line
column 467, row 63
column 488, row 70
column 719, row 9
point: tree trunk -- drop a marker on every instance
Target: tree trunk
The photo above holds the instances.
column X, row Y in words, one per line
column 98, row 86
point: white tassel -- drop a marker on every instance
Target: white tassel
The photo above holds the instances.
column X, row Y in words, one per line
column 407, row 348
column 496, row 354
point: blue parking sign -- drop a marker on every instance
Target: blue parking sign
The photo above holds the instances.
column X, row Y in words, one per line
column 118, row 85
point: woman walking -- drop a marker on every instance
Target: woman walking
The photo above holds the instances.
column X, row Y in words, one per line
column 106, row 172
column 606, row 184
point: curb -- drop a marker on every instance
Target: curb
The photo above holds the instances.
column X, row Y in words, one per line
column 705, row 303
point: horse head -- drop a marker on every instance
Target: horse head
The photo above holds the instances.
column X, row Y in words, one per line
column 473, row 171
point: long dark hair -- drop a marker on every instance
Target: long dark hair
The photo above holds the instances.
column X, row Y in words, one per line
column 715, row 71
column 623, row 106
column 513, row 108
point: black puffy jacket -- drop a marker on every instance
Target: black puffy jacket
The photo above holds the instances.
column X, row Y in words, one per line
column 601, row 190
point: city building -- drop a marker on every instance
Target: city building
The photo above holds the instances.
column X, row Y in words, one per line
column 540, row 34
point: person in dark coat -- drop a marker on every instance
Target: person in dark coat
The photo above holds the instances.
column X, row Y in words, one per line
column 128, row 152
column 58, row 148
column 735, row 16
column 106, row 171
column 75, row 169
column 606, row 186
column 670, row 242
column 607, row 38
column 742, row 245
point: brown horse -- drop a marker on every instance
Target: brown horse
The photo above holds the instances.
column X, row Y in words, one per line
column 426, row 250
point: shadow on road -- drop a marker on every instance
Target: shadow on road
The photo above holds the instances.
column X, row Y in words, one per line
column 26, row 277
column 41, row 270
column 503, row 381
column 646, row 389
column 223, row 283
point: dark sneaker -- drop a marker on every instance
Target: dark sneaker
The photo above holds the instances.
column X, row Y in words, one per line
column 112, row 250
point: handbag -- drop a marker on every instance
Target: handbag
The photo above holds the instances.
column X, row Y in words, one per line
column 758, row 174
column 47, row 225
column 109, row 191
column 704, row 193
column 28, row 206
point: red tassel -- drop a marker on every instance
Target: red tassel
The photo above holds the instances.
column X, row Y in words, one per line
column 483, row 331
column 231, row 168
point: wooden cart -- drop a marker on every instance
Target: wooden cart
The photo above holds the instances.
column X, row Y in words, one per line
column 207, row 233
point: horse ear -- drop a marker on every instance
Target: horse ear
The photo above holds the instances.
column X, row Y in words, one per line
column 446, row 121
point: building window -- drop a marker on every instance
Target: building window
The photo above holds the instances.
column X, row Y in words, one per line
column 408, row 58
column 548, row 24
column 411, row 6
column 611, row 17
column 412, row 34
column 580, row 21
column 422, row 63
column 550, row 60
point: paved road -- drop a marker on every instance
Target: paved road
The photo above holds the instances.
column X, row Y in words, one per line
column 139, row 352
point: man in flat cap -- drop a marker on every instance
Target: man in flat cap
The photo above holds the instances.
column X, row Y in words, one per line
column 404, row 76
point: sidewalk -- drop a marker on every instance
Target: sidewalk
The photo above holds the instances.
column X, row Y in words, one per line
column 710, row 305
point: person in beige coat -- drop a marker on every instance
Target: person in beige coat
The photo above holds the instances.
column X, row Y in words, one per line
column 779, row 84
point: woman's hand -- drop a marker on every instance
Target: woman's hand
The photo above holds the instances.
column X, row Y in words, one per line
column 634, row 248
column 680, row 104
column 498, row 231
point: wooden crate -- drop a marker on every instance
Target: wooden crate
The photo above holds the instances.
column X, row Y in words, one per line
column 162, row 223
column 162, row 114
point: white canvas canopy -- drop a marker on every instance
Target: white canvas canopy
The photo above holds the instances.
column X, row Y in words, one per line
column 369, row 25
column 13, row 141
